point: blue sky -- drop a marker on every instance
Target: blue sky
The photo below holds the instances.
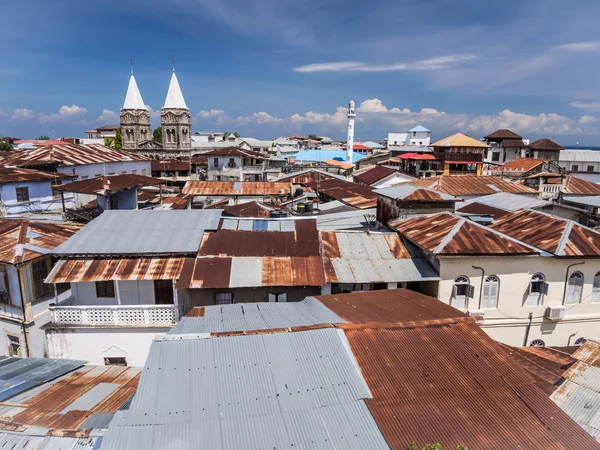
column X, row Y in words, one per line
column 275, row 67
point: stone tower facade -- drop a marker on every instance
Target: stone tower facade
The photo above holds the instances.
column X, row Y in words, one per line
column 175, row 119
column 135, row 118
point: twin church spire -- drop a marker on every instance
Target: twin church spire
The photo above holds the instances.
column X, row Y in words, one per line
column 175, row 121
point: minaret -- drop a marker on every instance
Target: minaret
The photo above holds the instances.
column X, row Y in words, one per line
column 350, row 140
column 175, row 119
column 134, row 118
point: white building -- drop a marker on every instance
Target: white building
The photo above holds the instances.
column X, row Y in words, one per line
column 585, row 163
column 122, row 268
column 419, row 136
column 534, row 279
column 256, row 145
column 107, row 131
column 505, row 146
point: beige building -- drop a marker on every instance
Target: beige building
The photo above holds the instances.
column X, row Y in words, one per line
column 534, row 279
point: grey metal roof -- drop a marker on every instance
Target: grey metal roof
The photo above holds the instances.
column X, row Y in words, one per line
column 346, row 220
column 282, row 390
column 383, row 271
column 586, row 200
column 263, row 224
column 22, row 441
column 579, row 155
column 403, row 190
column 579, row 397
column 142, row 233
column 507, row 201
column 257, row 316
column 18, row 375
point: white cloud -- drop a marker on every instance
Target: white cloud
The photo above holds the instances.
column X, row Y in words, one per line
column 22, row 114
column 588, row 106
column 589, row 46
column 210, row 114
column 524, row 123
column 263, row 118
column 588, row 119
column 108, row 116
column 64, row 113
column 437, row 63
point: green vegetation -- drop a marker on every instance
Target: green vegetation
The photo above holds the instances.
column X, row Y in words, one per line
column 43, row 138
column 116, row 142
column 157, row 134
column 4, row 145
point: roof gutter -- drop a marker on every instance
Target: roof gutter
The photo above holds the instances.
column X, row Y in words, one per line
column 481, row 284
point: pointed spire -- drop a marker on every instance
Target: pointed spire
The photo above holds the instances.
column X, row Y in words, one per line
column 133, row 99
column 174, row 95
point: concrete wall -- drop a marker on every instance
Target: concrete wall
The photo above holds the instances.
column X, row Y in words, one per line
column 390, row 209
column 508, row 321
column 126, row 199
column 132, row 293
column 40, row 198
column 94, row 344
column 189, row 298
column 87, row 171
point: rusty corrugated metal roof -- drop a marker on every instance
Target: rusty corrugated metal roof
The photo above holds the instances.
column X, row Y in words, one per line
column 579, row 186
column 131, row 269
column 308, row 176
column 561, row 237
column 353, row 194
column 21, row 239
column 450, row 383
column 503, row 134
column 250, row 209
column 52, row 407
column 105, row 184
column 16, row 174
column 236, row 188
column 472, row 185
column 69, row 155
column 235, row 151
column 519, row 165
column 588, row 353
column 447, row 234
column 375, row 174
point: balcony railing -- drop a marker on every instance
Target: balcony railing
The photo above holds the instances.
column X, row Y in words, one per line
column 137, row 315
column 475, row 157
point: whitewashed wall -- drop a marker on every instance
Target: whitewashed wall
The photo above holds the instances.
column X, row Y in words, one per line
column 132, row 293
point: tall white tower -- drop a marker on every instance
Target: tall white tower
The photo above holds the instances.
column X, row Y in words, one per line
column 350, row 140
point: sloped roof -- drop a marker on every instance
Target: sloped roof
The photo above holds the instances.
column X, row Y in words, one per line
column 561, row 237
column 250, row 209
column 342, row 164
column 17, row 175
column 133, row 98
column 69, row 155
column 233, row 188
column 174, row 95
column 545, row 144
column 576, row 185
column 507, row 202
column 408, row 192
column 448, row 234
column 308, row 175
column 520, row 165
column 105, row 184
column 459, row 140
column 377, row 173
column 353, row 194
column 472, row 185
column 419, row 128
column 503, row 134
column 234, row 151
column 24, row 240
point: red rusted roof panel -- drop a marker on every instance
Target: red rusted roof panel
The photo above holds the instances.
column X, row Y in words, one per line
column 353, row 194
column 105, row 184
column 16, row 174
column 236, row 188
column 472, row 185
column 374, row 175
column 575, row 185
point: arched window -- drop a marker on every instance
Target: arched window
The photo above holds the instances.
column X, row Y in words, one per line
column 537, row 289
column 537, row 343
column 574, row 288
column 596, row 288
column 461, row 292
column 491, row 287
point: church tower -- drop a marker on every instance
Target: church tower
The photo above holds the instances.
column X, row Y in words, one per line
column 175, row 119
column 135, row 118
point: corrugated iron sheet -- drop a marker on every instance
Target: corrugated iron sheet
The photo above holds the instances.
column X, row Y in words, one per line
column 234, row 151
column 237, row 188
column 353, row 194
column 130, row 269
column 452, row 384
column 589, row 353
column 576, row 185
column 75, row 399
column 447, row 234
column 555, row 235
column 374, row 175
column 27, row 441
column 257, row 316
column 15, row 175
column 250, row 209
column 472, row 185
column 18, row 375
column 106, row 184
column 229, row 272
column 20, row 238
column 284, row 390
column 69, row 155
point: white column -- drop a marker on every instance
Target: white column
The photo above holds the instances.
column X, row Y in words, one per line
column 392, row 285
column 118, row 292
column 326, row 290
column 350, row 139
column 175, row 302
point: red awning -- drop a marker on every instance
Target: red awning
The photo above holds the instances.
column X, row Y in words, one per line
column 423, row 157
column 407, row 155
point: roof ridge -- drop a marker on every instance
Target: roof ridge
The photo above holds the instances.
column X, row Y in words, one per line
column 560, row 248
column 506, row 236
column 450, row 235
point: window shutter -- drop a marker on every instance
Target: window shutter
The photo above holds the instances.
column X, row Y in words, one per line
column 471, row 291
column 272, row 298
column 282, row 298
column 454, row 291
column 485, row 301
column 545, row 288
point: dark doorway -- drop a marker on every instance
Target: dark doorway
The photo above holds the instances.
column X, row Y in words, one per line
column 163, row 292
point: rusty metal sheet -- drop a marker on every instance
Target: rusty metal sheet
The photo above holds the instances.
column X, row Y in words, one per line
column 106, row 184
column 237, row 188
column 472, row 185
column 374, row 175
column 69, row 155
column 16, row 174
column 234, row 151
column 575, row 185
column 129, row 269
column 330, row 244
column 250, row 209
column 456, row 367
column 353, row 194
column 210, row 273
column 588, row 353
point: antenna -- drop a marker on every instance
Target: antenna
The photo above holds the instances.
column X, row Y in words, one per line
column 173, row 63
column 131, row 63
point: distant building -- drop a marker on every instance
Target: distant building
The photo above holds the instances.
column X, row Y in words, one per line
column 237, row 164
column 545, row 149
column 256, row 145
column 584, row 163
column 404, row 200
column 460, row 154
column 505, row 146
column 106, row 131
column 419, row 136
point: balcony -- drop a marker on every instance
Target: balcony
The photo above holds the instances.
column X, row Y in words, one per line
column 114, row 315
column 463, row 156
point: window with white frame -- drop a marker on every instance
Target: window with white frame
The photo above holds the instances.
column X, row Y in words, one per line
column 277, row 298
column 596, row 288
column 224, row 298
column 491, row 288
column 461, row 292
column 574, row 289
column 13, row 344
column 4, row 291
column 537, row 289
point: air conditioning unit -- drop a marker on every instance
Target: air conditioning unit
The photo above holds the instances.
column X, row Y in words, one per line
column 478, row 313
column 555, row 313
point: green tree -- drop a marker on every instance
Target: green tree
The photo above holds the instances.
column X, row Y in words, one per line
column 109, row 142
column 157, row 134
column 4, row 145
column 118, row 141
column 43, row 138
